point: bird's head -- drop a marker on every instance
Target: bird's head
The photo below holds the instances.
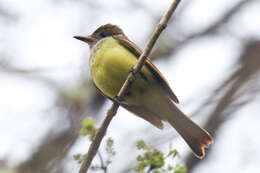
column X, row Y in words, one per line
column 103, row 31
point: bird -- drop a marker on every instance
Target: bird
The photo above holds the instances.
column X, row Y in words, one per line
column 112, row 56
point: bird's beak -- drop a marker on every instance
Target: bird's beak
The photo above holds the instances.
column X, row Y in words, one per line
column 88, row 39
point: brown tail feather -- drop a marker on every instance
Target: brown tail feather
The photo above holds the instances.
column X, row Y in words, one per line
column 196, row 137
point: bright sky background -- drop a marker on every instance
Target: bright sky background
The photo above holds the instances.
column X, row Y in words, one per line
column 42, row 38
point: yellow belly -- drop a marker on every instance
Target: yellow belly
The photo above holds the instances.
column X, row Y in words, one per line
column 109, row 67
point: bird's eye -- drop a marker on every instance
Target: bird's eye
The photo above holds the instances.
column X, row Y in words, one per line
column 103, row 34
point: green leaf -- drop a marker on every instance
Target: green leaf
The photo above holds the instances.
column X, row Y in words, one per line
column 174, row 153
column 153, row 160
column 139, row 158
column 88, row 122
column 170, row 167
column 77, row 156
column 83, row 132
column 110, row 142
column 157, row 171
column 141, row 166
column 157, row 160
column 95, row 167
column 110, row 148
column 88, row 128
column 142, row 145
column 180, row 169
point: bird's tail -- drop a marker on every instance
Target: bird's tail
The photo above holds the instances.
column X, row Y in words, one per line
column 196, row 137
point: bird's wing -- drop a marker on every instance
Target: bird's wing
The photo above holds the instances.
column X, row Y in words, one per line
column 137, row 52
column 139, row 111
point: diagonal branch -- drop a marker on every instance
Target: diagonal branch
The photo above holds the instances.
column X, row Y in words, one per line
column 130, row 79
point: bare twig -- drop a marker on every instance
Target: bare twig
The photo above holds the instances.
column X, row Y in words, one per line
column 130, row 79
column 103, row 166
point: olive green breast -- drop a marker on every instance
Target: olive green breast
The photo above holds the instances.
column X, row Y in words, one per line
column 109, row 66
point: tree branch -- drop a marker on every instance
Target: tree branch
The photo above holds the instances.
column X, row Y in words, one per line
column 130, row 79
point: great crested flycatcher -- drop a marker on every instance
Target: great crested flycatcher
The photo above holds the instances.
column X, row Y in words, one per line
column 150, row 97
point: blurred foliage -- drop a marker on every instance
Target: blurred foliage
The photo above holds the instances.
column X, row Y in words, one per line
column 88, row 129
column 154, row 160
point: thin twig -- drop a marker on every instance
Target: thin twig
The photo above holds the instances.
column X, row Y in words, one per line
column 130, row 79
column 103, row 166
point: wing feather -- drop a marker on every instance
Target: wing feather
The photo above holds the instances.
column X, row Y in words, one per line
column 123, row 40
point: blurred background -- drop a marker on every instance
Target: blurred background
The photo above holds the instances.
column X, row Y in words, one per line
column 209, row 53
